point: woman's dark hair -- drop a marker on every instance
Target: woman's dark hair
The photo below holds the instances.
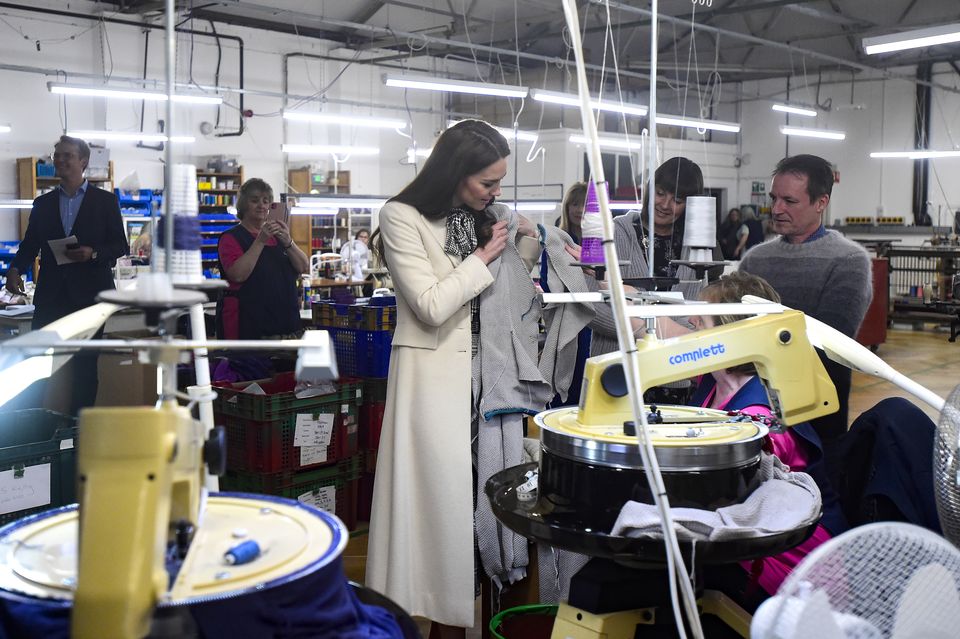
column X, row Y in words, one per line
column 359, row 232
column 679, row 176
column 466, row 148
column 730, row 289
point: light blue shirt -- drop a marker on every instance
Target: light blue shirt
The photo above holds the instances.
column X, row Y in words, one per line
column 70, row 206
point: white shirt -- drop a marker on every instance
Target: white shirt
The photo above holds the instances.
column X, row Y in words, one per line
column 355, row 254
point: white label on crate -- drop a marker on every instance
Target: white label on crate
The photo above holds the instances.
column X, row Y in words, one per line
column 313, row 430
column 323, row 498
column 344, row 408
column 359, row 393
column 312, row 455
column 66, row 444
column 24, row 488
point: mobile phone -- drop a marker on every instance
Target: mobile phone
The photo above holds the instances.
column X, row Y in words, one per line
column 73, row 246
column 278, row 212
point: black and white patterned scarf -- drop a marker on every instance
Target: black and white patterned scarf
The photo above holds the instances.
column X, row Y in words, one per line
column 461, row 233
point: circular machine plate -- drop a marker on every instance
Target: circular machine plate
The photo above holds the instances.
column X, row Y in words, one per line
column 38, row 555
column 688, row 439
column 537, row 520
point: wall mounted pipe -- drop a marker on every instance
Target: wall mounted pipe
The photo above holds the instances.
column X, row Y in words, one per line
column 146, row 25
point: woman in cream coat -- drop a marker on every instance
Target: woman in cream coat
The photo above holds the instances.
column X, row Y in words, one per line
column 421, row 551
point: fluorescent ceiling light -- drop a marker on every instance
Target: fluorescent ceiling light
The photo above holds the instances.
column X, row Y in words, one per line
column 532, row 206
column 625, row 206
column 16, row 204
column 302, row 210
column 691, row 123
column 431, row 83
column 131, row 137
column 787, row 108
column 5, row 128
column 526, row 136
column 813, row 133
column 341, row 202
column 569, row 99
column 609, row 143
column 943, row 34
column 318, row 149
column 129, row 94
column 350, row 120
column 919, row 154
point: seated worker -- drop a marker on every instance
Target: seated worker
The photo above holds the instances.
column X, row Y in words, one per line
column 676, row 179
column 569, row 221
column 799, row 447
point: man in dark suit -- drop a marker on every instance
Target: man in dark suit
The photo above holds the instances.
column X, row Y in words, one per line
column 92, row 215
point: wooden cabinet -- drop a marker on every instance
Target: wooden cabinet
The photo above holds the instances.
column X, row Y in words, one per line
column 30, row 185
column 323, row 233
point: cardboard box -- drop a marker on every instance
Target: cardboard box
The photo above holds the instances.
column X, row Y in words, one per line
column 124, row 381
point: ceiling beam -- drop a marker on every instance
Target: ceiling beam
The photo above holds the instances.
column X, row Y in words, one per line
column 787, row 47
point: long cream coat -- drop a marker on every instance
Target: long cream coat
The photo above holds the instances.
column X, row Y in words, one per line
column 420, row 551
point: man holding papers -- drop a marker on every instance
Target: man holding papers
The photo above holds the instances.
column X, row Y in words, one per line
column 78, row 232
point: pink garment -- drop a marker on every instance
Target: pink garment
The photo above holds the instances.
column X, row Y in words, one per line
column 769, row 572
column 230, row 251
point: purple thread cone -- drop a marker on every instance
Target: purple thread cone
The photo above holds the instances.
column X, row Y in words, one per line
column 591, row 227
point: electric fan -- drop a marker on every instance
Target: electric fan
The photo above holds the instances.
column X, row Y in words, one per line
column 884, row 580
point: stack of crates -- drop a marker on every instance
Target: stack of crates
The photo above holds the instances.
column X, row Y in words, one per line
column 38, row 463
column 303, row 448
column 371, row 424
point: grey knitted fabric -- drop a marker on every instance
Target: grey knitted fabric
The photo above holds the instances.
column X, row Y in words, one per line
column 828, row 278
column 628, row 248
column 564, row 321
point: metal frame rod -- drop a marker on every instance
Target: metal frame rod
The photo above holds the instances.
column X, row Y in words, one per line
column 679, row 580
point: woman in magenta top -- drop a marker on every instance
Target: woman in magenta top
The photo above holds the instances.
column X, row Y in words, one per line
column 262, row 263
column 739, row 388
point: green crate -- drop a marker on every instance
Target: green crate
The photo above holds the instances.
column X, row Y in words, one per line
column 33, row 437
column 268, row 446
column 374, row 390
column 279, row 399
column 344, row 477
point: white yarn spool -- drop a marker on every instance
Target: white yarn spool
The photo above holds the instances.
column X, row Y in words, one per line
column 700, row 229
column 186, row 267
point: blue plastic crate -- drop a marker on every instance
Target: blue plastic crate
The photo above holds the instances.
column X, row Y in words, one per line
column 373, row 349
column 345, row 346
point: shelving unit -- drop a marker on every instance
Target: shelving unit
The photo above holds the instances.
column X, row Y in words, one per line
column 30, row 185
column 324, row 233
column 216, row 191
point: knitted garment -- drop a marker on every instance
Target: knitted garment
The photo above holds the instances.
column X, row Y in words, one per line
column 628, row 248
column 564, row 321
column 828, row 278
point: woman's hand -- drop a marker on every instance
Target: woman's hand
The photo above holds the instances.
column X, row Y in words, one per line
column 528, row 228
column 265, row 233
column 574, row 251
column 494, row 247
column 282, row 232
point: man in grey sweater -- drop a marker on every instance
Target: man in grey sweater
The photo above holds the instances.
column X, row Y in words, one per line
column 815, row 270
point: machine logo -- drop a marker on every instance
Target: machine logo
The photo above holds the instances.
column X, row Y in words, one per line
column 697, row 354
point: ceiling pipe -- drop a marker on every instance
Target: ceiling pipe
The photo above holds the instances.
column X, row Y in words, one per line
column 145, row 25
column 776, row 45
